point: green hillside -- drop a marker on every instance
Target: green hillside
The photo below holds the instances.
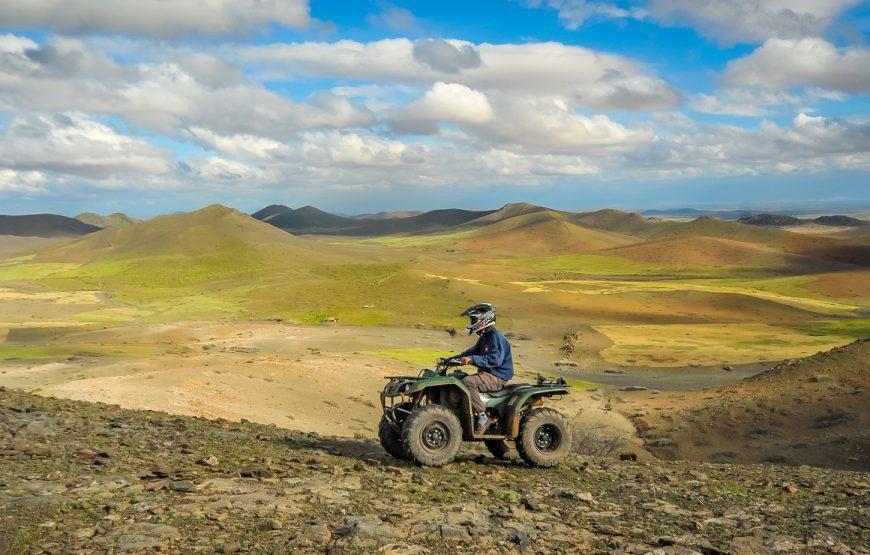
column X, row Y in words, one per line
column 103, row 222
column 217, row 262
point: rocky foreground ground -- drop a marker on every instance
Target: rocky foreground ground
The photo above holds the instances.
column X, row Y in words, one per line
column 77, row 477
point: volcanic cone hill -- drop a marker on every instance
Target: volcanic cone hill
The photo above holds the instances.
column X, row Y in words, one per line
column 803, row 411
column 716, row 251
column 823, row 249
column 840, row 221
column 309, row 219
column 770, row 220
column 214, row 231
column 269, row 212
column 105, row 221
column 836, row 220
column 509, row 211
column 217, row 262
column 44, row 225
column 539, row 232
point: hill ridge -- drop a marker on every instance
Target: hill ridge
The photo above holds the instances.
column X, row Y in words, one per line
column 98, row 220
column 44, row 225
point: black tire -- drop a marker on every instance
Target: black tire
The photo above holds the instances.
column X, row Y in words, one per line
column 502, row 450
column 432, row 435
column 545, row 438
column 391, row 440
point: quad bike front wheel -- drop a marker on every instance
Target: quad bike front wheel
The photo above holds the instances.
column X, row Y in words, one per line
column 432, row 435
column 502, row 450
column 545, row 438
column 391, row 439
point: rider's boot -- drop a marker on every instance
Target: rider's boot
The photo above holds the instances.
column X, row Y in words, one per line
column 482, row 424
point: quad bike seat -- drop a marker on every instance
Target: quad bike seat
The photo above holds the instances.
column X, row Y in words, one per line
column 509, row 389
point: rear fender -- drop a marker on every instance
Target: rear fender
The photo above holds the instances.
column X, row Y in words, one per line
column 530, row 396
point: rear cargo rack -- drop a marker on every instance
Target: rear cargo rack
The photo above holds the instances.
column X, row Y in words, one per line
column 552, row 381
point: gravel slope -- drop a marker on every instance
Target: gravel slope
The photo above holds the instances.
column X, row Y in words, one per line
column 93, row 478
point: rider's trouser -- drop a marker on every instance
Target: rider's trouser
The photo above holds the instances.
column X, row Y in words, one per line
column 482, row 381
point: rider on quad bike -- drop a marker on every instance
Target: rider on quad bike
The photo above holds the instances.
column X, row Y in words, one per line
column 492, row 357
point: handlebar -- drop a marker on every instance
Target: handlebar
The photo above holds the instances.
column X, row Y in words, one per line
column 442, row 364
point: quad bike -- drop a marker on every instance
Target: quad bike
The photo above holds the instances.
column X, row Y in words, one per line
column 426, row 419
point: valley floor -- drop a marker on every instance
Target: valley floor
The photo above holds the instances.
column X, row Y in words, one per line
column 86, row 477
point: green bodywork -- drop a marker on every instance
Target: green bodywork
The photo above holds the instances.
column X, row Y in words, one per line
column 449, row 390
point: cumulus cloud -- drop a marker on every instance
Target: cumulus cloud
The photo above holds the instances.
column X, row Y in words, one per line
column 750, row 20
column 245, row 147
column 194, row 90
column 217, row 170
column 780, row 64
column 444, row 102
column 76, row 145
column 82, row 113
column 394, row 18
column 726, row 21
column 541, row 125
column 574, row 13
column 156, row 18
column 513, row 164
column 355, row 150
column 591, row 78
column 29, row 182
column 810, row 143
column 445, row 56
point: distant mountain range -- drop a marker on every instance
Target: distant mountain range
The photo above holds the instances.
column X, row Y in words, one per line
column 389, row 215
column 695, row 213
column 311, row 220
column 775, row 220
column 44, row 225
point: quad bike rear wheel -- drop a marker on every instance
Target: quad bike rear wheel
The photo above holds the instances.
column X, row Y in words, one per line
column 502, row 450
column 432, row 435
column 391, row 439
column 545, row 438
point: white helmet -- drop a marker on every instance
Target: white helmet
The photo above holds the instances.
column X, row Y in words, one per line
column 481, row 315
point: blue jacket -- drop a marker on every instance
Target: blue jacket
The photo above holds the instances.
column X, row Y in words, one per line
column 492, row 353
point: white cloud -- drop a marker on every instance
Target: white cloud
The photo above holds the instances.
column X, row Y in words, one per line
column 245, row 147
column 394, row 18
column 518, row 114
column 512, row 164
column 780, row 64
column 750, row 20
column 809, row 144
column 541, row 124
column 446, row 56
column 590, row 78
column 574, row 13
column 444, row 102
column 75, row 145
column 194, row 91
column 756, row 102
column 12, row 181
column 727, row 21
column 355, row 150
column 157, row 18
column 13, row 43
column 217, row 170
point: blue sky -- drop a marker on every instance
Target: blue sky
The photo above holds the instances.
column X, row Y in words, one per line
column 148, row 107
